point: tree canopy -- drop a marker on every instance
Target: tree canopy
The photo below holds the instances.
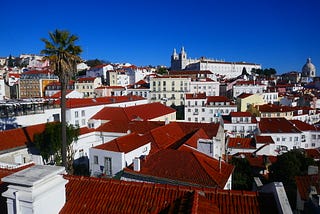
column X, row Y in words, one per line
column 49, row 143
column 63, row 55
column 264, row 72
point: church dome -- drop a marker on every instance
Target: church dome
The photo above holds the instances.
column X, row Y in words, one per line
column 308, row 70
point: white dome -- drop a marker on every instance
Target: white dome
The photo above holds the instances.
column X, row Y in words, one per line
column 309, row 70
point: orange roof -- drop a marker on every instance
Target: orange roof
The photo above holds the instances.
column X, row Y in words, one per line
column 187, row 166
column 196, row 96
column 276, row 125
column 193, row 140
column 305, row 182
column 94, row 195
column 84, row 79
column 313, row 153
column 274, row 108
column 240, row 114
column 120, row 126
column 302, row 126
column 138, row 112
column 264, row 139
column 243, row 143
column 125, row 143
column 244, row 95
column 217, row 99
column 20, row 137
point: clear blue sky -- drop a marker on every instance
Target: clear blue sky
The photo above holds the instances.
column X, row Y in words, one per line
column 275, row 33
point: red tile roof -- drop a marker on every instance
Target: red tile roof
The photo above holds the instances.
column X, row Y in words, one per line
column 313, row 153
column 196, row 96
column 119, row 126
column 193, row 140
column 260, row 161
column 211, row 129
column 244, row 95
column 305, row 182
column 186, row 165
column 138, row 112
column 217, row 99
column 241, row 143
column 264, row 139
column 276, row 125
column 240, row 114
column 58, row 94
column 86, row 79
column 274, row 108
column 302, row 126
column 94, row 195
column 126, row 143
column 15, row 138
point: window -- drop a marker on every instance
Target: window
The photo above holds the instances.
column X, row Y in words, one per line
column 313, row 144
column 76, row 114
column 95, row 159
column 313, row 137
column 107, row 166
column 83, row 122
column 295, row 138
column 76, row 122
column 83, row 113
column 203, row 119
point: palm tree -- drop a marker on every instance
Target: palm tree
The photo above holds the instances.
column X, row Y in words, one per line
column 63, row 55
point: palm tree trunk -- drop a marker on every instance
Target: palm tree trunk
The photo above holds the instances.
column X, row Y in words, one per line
column 63, row 121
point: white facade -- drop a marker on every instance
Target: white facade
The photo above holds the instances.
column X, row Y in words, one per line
column 310, row 139
column 247, row 87
column 285, row 141
column 35, row 190
column 169, row 90
column 99, row 160
column 240, row 127
column 2, row 89
column 270, row 97
column 99, row 71
column 136, row 74
column 211, row 88
column 219, row 67
column 204, row 111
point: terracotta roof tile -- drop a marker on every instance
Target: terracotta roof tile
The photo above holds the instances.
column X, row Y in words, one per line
column 302, row 126
column 186, row 165
column 305, row 182
column 126, row 143
column 240, row 114
column 20, row 137
column 244, row 95
column 276, row 125
column 241, row 143
column 264, row 139
column 93, row 195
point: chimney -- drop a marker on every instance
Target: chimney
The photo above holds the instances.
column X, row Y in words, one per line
column 136, row 164
column 38, row 189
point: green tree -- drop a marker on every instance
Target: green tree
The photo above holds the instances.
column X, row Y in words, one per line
column 63, row 54
column 49, row 144
column 287, row 166
column 242, row 177
column 162, row 70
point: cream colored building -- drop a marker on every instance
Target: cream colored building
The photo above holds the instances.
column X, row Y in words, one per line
column 247, row 101
column 86, row 85
column 169, row 90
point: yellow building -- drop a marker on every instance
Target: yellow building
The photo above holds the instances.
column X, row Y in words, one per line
column 245, row 102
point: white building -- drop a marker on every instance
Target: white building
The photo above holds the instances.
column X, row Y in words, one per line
column 112, row 157
column 205, row 85
column 219, row 67
column 310, row 137
column 285, row 135
column 169, row 90
column 99, row 71
column 86, row 85
column 239, row 124
column 207, row 109
column 249, row 87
